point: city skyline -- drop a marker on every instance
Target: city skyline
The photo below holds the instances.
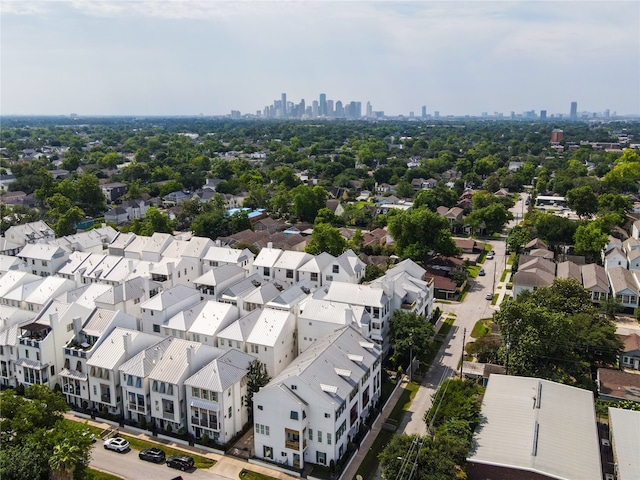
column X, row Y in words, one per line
column 191, row 58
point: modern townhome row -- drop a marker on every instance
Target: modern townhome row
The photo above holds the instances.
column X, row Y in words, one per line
column 161, row 331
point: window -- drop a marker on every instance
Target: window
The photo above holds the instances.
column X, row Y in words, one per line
column 266, row 271
column 336, row 269
column 260, row 407
column 311, row 434
column 156, row 328
column 314, row 277
column 289, row 273
column 327, row 415
column 154, row 386
column 230, row 411
column 53, row 369
column 129, row 380
column 195, row 392
column 69, row 327
column 328, row 439
column 293, row 415
column 321, row 458
column 267, row 452
column 205, row 394
column 319, row 436
column 138, row 382
column 170, row 389
column 294, row 387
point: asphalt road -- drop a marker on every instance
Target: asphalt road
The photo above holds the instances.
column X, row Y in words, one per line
column 474, row 307
column 129, row 466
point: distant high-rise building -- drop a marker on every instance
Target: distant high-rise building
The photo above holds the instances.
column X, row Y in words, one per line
column 358, row 110
column 606, row 113
column 235, row 114
column 574, row 110
column 411, row 114
column 284, row 105
column 323, row 104
column 315, row 110
column 369, row 110
column 339, row 109
column 424, row 111
column 329, row 108
column 543, row 114
column 436, row 114
column 302, row 109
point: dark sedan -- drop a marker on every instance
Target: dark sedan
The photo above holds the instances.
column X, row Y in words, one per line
column 152, row 455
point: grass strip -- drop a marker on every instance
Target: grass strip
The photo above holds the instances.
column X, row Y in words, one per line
column 251, row 475
column 481, row 328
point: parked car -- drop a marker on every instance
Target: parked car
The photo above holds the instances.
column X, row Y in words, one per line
column 490, row 256
column 116, row 444
column 181, row 462
column 489, row 296
column 481, row 272
column 152, row 455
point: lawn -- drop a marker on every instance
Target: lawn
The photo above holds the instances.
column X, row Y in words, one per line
column 445, row 328
column 92, row 474
column 138, row 444
column 473, row 270
column 504, row 275
column 250, row 475
column 481, row 328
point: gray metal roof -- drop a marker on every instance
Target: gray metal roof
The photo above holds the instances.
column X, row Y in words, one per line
column 625, row 431
column 269, row 326
column 316, row 366
column 240, row 330
column 356, row 294
column 112, row 351
column 169, row 297
column 141, row 364
column 220, row 274
column 538, row 426
column 223, row 372
column 172, row 366
column 331, row 312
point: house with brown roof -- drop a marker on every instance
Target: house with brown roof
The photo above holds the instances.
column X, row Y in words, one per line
column 469, row 245
column 566, row 270
column 595, row 280
column 630, row 356
column 617, row 385
column 534, row 244
column 270, row 225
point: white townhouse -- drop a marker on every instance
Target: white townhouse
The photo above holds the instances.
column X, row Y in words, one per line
column 103, row 366
column 216, row 397
column 236, row 293
column 315, row 270
column 41, row 343
column 406, row 286
column 124, row 270
column 29, row 233
column 375, row 302
column 11, row 319
column 615, row 258
column 633, row 258
column 72, row 268
column 312, row 409
column 134, row 380
column 290, row 298
column 272, row 339
column 134, row 247
column 287, row 265
column 96, row 240
column 89, row 333
column 236, row 334
column 192, row 250
column 34, row 299
column 118, row 245
column 179, row 361
column 43, row 259
column 201, row 322
column 319, row 318
column 216, row 280
column 10, row 263
column 264, row 264
column 170, row 272
column 346, row 268
column 11, row 281
column 261, row 295
column 154, row 247
column 624, row 286
column 128, row 297
column 218, row 256
column 161, row 307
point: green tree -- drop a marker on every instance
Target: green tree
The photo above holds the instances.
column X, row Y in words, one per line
column 589, row 240
column 583, row 201
column 67, row 222
column 518, row 237
column 421, row 232
column 409, row 331
column 64, row 460
column 326, row 238
column 90, row 197
column 257, row 377
column 494, row 217
column 307, row 201
column 154, row 221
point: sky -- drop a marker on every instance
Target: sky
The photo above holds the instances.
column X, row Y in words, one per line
column 189, row 57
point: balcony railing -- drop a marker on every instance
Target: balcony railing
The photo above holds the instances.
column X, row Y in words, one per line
column 408, row 306
column 292, row 445
column 30, row 343
column 4, row 373
column 105, row 397
column 168, row 415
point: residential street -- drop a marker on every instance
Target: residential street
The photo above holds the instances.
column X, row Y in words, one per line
column 467, row 313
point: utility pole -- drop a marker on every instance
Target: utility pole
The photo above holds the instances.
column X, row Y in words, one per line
column 507, row 359
column 464, row 335
column 410, row 355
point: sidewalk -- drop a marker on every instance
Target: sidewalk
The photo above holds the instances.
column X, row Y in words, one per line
column 365, row 446
column 226, row 466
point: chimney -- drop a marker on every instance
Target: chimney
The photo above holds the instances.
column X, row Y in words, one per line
column 124, row 291
column 218, row 243
column 130, row 265
column 77, row 277
column 53, row 318
column 77, row 325
column 126, row 338
column 270, row 245
column 147, row 288
column 190, row 353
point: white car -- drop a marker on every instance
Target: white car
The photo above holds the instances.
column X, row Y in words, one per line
column 489, row 256
column 117, row 444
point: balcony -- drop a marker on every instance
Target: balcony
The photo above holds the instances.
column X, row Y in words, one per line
column 105, row 398
column 168, row 416
column 408, row 306
column 29, row 343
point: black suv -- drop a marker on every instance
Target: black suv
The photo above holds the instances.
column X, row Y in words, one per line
column 152, row 455
column 181, row 462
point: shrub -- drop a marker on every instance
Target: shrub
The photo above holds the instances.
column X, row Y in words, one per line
column 169, row 428
column 20, row 389
column 204, row 439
